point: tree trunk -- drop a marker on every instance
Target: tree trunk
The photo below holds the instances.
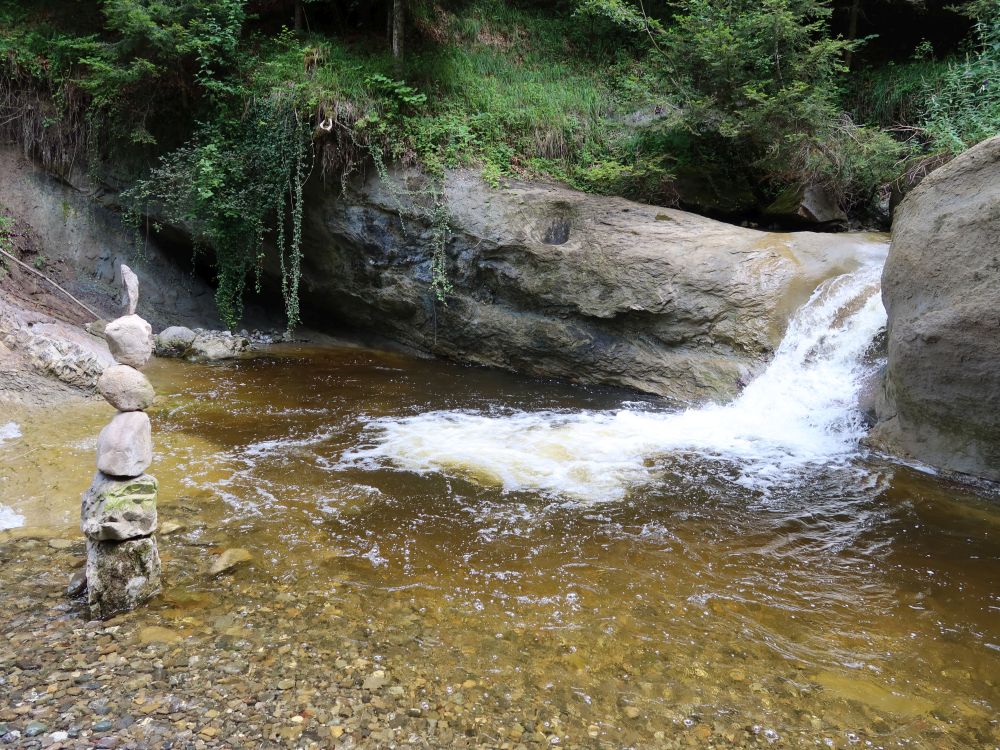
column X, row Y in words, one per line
column 398, row 20
column 852, row 29
column 299, row 15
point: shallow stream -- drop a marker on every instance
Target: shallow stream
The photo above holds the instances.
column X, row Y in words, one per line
column 594, row 569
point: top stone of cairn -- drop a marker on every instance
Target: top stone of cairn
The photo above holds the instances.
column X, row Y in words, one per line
column 130, row 338
column 131, row 282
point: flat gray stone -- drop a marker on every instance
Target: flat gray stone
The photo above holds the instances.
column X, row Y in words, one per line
column 210, row 346
column 130, row 340
column 125, row 445
column 125, row 388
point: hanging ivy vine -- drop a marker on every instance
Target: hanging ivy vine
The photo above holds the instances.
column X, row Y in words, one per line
column 231, row 184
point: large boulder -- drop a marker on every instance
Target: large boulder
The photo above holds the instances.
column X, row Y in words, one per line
column 941, row 287
column 807, row 206
column 173, row 341
column 210, row 346
column 554, row 282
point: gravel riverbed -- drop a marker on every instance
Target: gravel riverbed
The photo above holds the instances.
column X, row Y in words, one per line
column 234, row 662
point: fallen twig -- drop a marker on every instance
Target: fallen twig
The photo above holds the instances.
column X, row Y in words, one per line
column 42, row 275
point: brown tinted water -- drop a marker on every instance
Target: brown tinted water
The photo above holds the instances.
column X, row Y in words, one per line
column 693, row 611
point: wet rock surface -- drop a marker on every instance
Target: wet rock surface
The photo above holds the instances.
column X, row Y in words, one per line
column 121, row 575
column 209, row 346
column 118, row 509
column 173, row 341
column 204, row 346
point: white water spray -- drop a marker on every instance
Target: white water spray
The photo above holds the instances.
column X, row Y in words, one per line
column 801, row 412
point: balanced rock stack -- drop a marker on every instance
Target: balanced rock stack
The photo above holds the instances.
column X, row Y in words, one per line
column 118, row 515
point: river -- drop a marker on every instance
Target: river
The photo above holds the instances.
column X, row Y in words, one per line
column 595, row 568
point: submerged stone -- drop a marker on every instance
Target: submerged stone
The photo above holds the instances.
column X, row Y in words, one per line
column 130, row 340
column 229, row 560
column 121, row 575
column 125, row 445
column 115, row 509
column 157, row 634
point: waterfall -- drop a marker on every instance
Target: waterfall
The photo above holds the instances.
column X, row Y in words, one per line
column 800, row 413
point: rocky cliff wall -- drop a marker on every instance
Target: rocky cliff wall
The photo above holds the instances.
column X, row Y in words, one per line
column 556, row 283
column 81, row 242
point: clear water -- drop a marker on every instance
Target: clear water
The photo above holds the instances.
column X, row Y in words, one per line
column 605, row 570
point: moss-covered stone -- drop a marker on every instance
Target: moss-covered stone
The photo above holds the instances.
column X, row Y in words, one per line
column 117, row 509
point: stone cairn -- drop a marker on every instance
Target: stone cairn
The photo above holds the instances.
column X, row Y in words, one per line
column 118, row 515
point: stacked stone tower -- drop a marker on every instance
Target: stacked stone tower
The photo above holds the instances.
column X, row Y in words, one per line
column 118, row 515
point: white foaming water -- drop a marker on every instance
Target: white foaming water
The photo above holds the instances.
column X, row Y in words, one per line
column 9, row 431
column 8, row 518
column 800, row 413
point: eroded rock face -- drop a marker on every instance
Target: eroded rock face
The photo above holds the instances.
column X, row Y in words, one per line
column 553, row 282
column 941, row 286
column 119, row 509
column 125, row 388
column 125, row 445
column 130, row 340
column 50, row 348
column 121, row 575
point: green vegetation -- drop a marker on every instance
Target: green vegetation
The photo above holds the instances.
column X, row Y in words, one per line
column 950, row 103
column 219, row 110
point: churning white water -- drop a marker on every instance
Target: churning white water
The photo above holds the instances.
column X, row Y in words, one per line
column 799, row 414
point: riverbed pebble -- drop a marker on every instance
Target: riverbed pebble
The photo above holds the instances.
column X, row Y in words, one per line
column 230, row 663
